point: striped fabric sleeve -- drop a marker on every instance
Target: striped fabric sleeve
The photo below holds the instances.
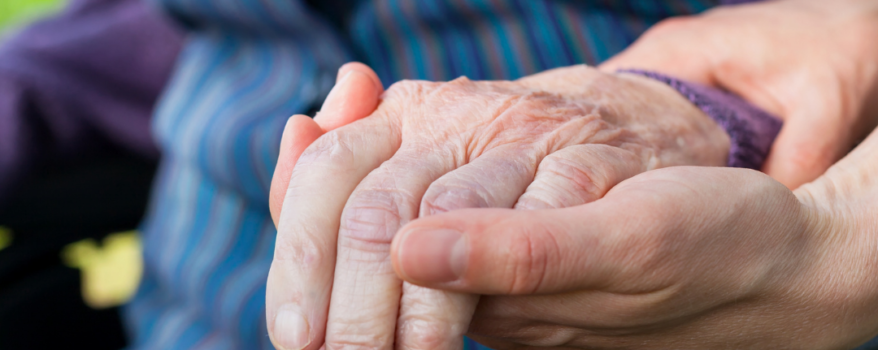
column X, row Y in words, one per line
column 751, row 130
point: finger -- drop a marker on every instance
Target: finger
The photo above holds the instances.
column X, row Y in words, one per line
column 577, row 175
column 360, row 67
column 805, row 148
column 300, row 279
column 435, row 319
column 615, row 244
column 513, row 252
column 366, row 292
column 299, row 132
column 355, row 96
column 494, row 180
column 438, row 251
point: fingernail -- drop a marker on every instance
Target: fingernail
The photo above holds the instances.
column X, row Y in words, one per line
column 283, row 136
column 435, row 256
column 337, row 89
column 291, row 330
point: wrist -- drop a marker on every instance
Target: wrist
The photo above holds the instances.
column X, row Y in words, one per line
column 676, row 131
column 690, row 136
column 750, row 130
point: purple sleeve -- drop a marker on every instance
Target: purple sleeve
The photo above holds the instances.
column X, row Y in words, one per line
column 751, row 130
column 80, row 82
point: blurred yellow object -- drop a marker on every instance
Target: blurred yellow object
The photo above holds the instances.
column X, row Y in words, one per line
column 5, row 237
column 110, row 274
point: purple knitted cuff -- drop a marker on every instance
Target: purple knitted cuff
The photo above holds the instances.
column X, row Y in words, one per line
column 751, row 130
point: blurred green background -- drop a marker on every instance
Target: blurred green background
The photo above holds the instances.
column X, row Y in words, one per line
column 14, row 13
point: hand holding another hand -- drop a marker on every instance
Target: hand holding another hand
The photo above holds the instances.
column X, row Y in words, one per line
column 552, row 140
column 678, row 258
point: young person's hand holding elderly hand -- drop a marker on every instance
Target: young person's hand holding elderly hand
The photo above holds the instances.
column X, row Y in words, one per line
column 679, row 258
column 696, row 258
column 814, row 63
column 556, row 139
column 683, row 258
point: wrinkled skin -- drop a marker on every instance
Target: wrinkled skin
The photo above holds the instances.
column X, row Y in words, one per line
column 813, row 63
column 679, row 258
column 810, row 62
column 557, row 139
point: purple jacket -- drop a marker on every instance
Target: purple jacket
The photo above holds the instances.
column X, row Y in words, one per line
column 80, row 82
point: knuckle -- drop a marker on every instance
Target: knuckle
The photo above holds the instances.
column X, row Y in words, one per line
column 446, row 197
column 461, row 82
column 333, row 147
column 404, row 90
column 668, row 26
column 572, row 176
column 299, row 248
column 372, row 218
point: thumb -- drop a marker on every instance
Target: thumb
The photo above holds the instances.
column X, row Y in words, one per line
column 614, row 243
column 505, row 251
column 355, row 96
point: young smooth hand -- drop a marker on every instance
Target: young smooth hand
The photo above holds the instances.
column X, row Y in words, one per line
column 814, row 63
column 678, row 258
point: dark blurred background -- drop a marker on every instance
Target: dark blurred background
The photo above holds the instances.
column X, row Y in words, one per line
column 69, row 252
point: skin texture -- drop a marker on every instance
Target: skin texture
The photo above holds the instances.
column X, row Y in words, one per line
column 560, row 138
column 814, row 63
column 676, row 258
column 355, row 98
column 682, row 258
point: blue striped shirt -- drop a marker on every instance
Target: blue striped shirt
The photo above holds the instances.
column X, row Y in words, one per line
column 250, row 64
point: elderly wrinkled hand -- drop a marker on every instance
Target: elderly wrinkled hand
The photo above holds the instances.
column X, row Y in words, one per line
column 552, row 140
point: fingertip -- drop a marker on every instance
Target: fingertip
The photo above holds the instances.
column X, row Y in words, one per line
column 354, row 97
column 299, row 132
column 363, row 68
column 291, row 328
column 430, row 256
column 461, row 251
column 421, row 251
